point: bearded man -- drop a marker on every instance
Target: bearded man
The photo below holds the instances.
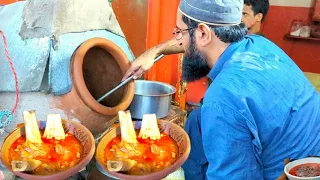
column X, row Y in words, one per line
column 259, row 109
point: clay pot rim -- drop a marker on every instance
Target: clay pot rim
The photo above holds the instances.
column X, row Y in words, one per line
column 78, row 79
column 85, row 160
column 178, row 163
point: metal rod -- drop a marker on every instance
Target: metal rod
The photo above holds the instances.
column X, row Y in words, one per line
column 124, row 82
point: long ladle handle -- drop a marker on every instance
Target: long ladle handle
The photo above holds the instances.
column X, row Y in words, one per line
column 125, row 81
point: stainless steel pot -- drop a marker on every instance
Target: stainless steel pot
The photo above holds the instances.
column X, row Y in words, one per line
column 151, row 97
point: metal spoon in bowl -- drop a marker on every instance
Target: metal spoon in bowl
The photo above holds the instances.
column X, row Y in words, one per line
column 123, row 82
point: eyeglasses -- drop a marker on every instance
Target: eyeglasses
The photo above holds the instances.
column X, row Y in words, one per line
column 178, row 33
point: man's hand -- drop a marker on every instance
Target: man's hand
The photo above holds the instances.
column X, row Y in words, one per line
column 283, row 175
column 143, row 63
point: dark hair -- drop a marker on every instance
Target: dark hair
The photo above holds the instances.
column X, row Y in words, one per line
column 227, row 34
column 258, row 6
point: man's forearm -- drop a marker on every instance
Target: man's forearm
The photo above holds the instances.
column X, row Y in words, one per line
column 169, row 47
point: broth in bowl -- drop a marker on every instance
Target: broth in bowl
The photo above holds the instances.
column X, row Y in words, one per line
column 306, row 170
column 51, row 149
column 44, row 152
column 147, row 149
column 147, row 155
column 303, row 169
column 51, row 155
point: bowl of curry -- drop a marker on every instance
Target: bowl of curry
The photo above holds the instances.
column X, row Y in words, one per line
column 303, row 169
column 147, row 149
column 36, row 151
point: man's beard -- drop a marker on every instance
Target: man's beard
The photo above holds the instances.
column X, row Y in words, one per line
column 194, row 65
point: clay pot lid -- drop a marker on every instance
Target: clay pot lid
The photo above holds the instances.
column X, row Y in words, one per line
column 106, row 64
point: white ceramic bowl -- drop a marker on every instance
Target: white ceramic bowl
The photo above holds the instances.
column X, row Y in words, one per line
column 295, row 163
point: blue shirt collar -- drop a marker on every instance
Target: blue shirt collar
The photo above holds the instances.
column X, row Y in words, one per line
column 225, row 56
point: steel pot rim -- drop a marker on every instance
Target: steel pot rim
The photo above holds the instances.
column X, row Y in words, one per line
column 173, row 89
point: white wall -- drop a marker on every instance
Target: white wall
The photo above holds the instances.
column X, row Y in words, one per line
column 294, row 3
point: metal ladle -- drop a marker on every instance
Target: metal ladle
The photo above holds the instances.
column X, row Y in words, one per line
column 124, row 82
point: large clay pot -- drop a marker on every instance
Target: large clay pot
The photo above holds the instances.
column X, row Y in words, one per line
column 97, row 66
column 79, row 131
column 176, row 132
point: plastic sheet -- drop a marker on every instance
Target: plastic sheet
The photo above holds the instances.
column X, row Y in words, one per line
column 31, row 56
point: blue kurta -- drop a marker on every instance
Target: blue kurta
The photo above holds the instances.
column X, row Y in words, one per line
column 259, row 110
